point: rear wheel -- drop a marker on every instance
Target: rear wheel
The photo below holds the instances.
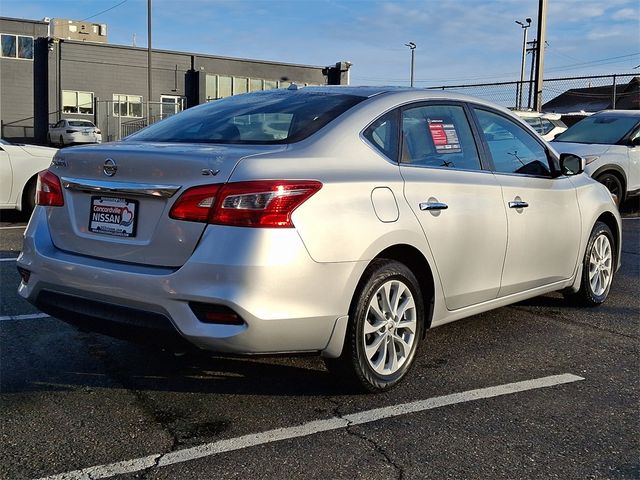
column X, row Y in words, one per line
column 598, row 266
column 613, row 184
column 29, row 197
column 386, row 322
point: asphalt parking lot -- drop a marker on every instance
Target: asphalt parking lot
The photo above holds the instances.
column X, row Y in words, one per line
column 541, row 389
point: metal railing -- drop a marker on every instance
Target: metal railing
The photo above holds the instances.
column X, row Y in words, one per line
column 597, row 92
column 120, row 118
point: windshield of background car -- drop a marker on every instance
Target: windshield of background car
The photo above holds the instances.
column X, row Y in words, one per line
column 603, row 129
column 80, row 123
column 265, row 118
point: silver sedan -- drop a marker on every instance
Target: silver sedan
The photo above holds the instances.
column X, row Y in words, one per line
column 344, row 221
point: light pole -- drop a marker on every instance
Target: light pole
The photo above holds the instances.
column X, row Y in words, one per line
column 524, row 27
column 412, row 46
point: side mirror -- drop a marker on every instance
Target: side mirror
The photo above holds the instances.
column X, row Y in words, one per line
column 571, row 164
column 635, row 142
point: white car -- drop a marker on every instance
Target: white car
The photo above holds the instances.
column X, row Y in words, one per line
column 19, row 167
column 70, row 131
column 610, row 143
column 548, row 125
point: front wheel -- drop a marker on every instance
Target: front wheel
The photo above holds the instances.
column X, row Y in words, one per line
column 598, row 266
column 386, row 321
column 614, row 185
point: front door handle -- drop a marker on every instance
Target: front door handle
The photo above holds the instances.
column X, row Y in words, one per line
column 518, row 204
column 433, row 206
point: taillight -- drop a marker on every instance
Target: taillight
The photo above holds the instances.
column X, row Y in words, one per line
column 49, row 190
column 264, row 203
column 98, row 132
column 195, row 203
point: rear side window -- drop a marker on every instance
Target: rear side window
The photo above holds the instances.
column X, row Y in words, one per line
column 512, row 148
column 274, row 117
column 438, row 136
column 383, row 134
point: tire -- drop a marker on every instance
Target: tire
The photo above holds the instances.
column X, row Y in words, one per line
column 29, row 197
column 61, row 142
column 598, row 267
column 380, row 347
column 613, row 184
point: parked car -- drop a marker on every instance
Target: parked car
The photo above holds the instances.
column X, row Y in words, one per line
column 19, row 167
column 548, row 125
column 610, row 143
column 358, row 220
column 71, row 131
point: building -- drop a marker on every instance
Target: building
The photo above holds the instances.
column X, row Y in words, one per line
column 108, row 83
column 65, row 29
column 621, row 96
column 17, row 39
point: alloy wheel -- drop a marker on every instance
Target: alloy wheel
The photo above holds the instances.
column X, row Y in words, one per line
column 389, row 327
column 600, row 265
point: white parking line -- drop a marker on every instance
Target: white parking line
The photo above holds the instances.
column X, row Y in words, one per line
column 12, row 259
column 335, row 423
column 30, row 316
column 13, row 227
column 631, row 218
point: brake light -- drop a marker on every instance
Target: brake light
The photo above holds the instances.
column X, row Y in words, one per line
column 195, row 203
column 98, row 132
column 49, row 190
column 263, row 203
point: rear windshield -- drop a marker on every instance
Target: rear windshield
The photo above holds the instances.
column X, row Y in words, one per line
column 604, row 129
column 274, row 117
column 80, row 123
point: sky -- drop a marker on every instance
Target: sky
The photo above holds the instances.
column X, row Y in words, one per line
column 458, row 41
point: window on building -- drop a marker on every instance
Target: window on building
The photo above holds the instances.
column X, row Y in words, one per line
column 224, row 86
column 270, row 84
column 127, row 105
column 255, row 84
column 240, row 85
column 171, row 104
column 211, row 87
column 16, row 46
column 77, row 102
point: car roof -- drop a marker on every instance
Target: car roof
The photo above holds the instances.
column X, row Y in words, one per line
column 619, row 113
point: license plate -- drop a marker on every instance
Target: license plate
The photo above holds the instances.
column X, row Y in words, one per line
column 85, row 133
column 113, row 216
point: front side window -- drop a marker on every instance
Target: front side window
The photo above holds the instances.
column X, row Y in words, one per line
column 275, row 117
column 606, row 129
column 512, row 148
column 438, row 136
column 383, row 134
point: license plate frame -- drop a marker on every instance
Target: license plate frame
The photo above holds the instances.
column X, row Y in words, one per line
column 113, row 216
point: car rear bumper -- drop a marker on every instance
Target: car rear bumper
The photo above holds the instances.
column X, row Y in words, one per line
column 288, row 302
column 81, row 138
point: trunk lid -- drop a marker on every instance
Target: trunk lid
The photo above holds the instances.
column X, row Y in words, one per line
column 117, row 197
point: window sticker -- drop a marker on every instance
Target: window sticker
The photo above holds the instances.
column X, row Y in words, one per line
column 444, row 135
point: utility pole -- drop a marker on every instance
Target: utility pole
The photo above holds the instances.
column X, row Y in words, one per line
column 412, row 46
column 532, row 50
column 148, row 62
column 524, row 27
column 542, row 34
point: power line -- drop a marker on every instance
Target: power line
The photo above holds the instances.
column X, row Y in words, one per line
column 105, row 11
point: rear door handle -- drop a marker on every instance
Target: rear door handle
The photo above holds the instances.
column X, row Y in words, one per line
column 518, row 204
column 433, row 206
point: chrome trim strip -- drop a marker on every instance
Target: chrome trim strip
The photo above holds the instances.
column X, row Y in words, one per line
column 119, row 188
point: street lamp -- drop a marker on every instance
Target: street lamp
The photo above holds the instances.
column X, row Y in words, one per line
column 524, row 59
column 412, row 46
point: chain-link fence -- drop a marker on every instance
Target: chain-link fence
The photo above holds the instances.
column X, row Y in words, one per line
column 127, row 114
column 562, row 95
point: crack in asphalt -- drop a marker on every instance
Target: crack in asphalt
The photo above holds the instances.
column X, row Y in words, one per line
column 350, row 429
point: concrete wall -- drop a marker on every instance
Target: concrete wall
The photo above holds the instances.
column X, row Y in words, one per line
column 16, row 83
